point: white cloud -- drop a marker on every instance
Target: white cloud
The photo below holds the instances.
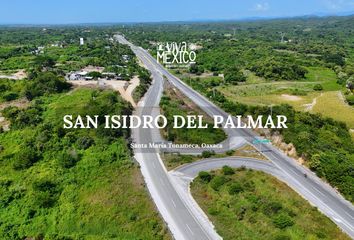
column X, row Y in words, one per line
column 261, row 7
column 339, row 4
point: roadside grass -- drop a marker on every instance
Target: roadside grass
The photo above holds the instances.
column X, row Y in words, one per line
column 331, row 105
column 173, row 103
column 253, row 205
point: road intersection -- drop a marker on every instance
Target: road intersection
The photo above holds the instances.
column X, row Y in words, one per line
column 184, row 217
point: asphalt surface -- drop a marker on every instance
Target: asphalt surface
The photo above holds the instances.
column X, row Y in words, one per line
column 192, row 170
column 176, row 213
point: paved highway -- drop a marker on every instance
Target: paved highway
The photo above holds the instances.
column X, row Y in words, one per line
column 311, row 187
column 179, row 218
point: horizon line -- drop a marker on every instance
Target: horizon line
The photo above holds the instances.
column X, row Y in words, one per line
column 243, row 19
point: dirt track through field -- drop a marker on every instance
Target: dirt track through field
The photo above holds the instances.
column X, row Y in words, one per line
column 309, row 106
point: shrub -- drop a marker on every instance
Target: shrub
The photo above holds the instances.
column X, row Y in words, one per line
column 227, row 170
column 43, row 61
column 84, row 142
column 217, row 182
column 10, row 96
column 235, row 188
column 249, row 185
column 207, row 154
column 69, row 158
column 350, row 99
column 283, row 220
column 278, row 70
column 318, row 87
column 94, row 74
column 229, row 153
column 44, row 199
column 44, row 185
column 272, row 208
column 213, row 211
column 233, row 75
column 45, row 83
column 196, row 69
column 25, row 158
column 205, row 176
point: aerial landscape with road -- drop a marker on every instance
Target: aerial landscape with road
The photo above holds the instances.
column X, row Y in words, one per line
column 240, row 126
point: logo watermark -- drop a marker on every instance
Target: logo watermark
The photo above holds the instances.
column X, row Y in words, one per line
column 176, row 55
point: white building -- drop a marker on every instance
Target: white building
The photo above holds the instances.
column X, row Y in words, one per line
column 81, row 41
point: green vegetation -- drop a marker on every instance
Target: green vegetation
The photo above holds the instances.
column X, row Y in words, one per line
column 76, row 184
column 71, row 183
column 58, row 49
column 10, row 90
column 318, row 87
column 275, row 70
column 45, row 83
column 145, row 81
column 331, row 104
column 311, row 134
column 246, row 204
column 58, row 183
column 258, row 45
column 174, row 103
column 314, row 58
column 350, row 99
column 172, row 160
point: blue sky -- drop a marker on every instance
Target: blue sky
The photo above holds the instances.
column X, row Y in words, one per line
column 100, row 11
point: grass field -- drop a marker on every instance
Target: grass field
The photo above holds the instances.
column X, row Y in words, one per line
column 299, row 94
column 298, row 102
column 331, row 104
column 326, row 77
column 253, row 205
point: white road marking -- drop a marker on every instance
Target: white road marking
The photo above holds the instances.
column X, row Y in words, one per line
column 189, row 229
column 349, row 215
column 174, row 204
column 294, row 172
column 329, row 209
column 318, row 191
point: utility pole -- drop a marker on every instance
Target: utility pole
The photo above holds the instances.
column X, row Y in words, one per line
column 282, row 37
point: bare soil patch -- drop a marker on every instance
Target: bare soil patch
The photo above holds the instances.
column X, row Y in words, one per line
column 291, row 97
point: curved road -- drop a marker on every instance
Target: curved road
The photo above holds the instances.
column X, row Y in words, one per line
column 191, row 170
column 182, row 217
